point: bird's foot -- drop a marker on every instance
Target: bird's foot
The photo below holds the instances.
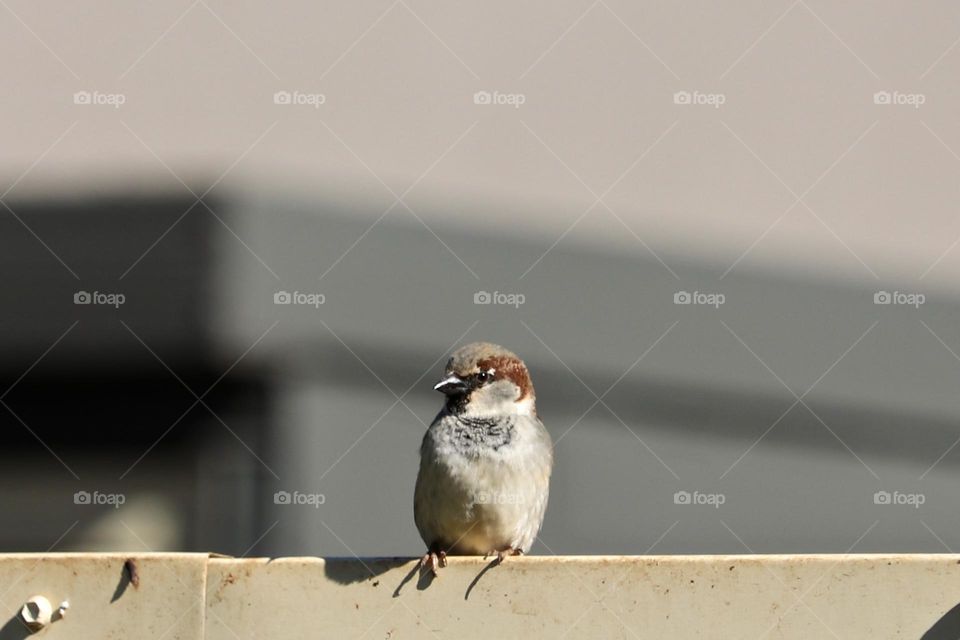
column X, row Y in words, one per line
column 502, row 554
column 433, row 560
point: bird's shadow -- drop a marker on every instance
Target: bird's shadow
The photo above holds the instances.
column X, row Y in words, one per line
column 424, row 580
column 493, row 563
column 349, row 571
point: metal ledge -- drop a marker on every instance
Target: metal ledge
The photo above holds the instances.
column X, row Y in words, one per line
column 196, row 596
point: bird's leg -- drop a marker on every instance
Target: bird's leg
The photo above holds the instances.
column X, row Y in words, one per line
column 442, row 558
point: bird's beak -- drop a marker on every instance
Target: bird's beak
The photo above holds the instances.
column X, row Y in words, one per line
column 451, row 385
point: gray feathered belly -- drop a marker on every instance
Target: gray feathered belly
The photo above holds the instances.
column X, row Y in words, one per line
column 483, row 484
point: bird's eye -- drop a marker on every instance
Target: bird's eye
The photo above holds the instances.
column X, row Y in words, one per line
column 483, row 376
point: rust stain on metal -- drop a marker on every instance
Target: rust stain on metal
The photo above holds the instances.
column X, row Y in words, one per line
column 231, row 578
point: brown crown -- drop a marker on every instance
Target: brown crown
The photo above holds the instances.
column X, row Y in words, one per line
column 483, row 356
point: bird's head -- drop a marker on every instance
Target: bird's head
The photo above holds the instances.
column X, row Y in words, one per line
column 485, row 379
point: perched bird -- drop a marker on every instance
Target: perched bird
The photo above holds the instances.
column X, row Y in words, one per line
column 485, row 462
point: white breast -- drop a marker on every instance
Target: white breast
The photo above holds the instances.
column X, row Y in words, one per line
column 483, row 499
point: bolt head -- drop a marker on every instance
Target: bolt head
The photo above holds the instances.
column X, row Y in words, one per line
column 36, row 613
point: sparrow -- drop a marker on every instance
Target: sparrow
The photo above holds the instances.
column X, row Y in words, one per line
column 485, row 461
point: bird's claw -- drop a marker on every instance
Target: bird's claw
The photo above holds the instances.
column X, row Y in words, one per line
column 432, row 561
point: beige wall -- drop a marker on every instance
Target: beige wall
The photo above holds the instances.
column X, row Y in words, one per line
column 879, row 182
